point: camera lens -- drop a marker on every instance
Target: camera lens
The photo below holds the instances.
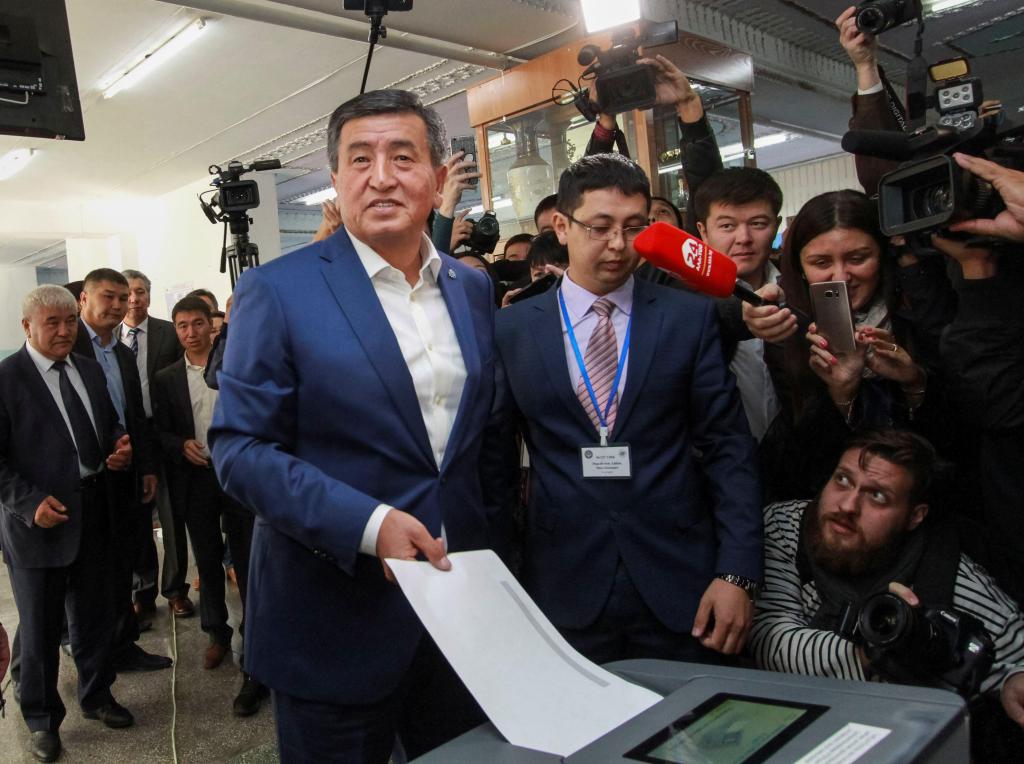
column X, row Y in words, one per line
column 871, row 20
column 933, row 200
column 488, row 226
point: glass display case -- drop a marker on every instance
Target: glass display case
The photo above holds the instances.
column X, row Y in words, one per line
column 526, row 139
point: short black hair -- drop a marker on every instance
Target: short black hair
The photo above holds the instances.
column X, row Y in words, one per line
column 387, row 102
column 546, row 249
column 737, row 185
column 597, row 171
column 191, row 304
column 76, row 288
column 904, row 449
column 103, row 274
column 519, row 238
column 205, row 293
column 216, row 314
column 549, row 202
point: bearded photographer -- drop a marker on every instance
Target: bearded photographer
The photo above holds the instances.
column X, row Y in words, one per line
column 869, row 531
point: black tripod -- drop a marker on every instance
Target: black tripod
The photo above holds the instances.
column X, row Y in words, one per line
column 242, row 254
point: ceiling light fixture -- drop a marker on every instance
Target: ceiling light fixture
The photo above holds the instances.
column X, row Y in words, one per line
column 140, row 68
column 733, row 151
column 937, row 6
column 14, row 161
column 603, row 14
column 318, row 197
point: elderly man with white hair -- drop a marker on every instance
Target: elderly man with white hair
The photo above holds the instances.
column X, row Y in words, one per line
column 59, row 439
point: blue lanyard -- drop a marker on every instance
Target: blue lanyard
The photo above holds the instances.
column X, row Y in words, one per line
column 602, row 417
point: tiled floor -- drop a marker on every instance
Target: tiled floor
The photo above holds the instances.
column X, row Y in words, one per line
column 205, row 731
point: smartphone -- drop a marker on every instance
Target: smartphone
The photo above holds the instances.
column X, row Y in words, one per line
column 832, row 314
column 468, row 145
column 541, row 285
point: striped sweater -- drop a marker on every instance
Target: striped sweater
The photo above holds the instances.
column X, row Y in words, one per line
column 781, row 641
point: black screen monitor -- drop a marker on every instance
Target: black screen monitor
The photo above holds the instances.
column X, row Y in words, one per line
column 728, row 729
column 38, row 88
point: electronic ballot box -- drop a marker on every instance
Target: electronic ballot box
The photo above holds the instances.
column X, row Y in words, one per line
column 721, row 715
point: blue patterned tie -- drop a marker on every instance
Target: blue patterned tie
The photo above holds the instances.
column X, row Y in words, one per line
column 133, row 340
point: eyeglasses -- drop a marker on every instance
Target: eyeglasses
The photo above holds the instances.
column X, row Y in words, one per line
column 608, row 232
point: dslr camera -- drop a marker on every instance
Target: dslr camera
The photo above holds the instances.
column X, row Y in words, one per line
column 931, row 191
column 925, row 646
column 621, row 83
column 876, row 16
column 483, row 237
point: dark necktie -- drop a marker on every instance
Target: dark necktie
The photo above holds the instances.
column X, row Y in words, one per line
column 602, row 361
column 133, row 340
column 81, row 426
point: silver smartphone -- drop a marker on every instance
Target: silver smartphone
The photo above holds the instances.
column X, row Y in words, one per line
column 832, row 314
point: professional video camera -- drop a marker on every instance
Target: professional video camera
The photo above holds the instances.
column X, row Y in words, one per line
column 925, row 646
column 483, row 237
column 229, row 203
column 876, row 16
column 621, row 83
column 930, row 191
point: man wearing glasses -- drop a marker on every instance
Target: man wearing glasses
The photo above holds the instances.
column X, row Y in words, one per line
column 644, row 531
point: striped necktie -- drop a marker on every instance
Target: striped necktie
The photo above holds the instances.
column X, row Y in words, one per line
column 602, row 361
column 133, row 340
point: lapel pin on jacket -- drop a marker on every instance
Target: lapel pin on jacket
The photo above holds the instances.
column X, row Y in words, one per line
column 451, row 273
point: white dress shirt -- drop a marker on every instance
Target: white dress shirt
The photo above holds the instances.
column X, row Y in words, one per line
column 203, row 399
column 142, row 335
column 757, row 391
column 419, row 317
column 578, row 302
column 51, row 377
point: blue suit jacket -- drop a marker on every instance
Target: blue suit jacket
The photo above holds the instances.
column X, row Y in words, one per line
column 38, row 459
column 681, row 518
column 317, row 423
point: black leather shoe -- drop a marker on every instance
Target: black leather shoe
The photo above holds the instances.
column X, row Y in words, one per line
column 46, row 745
column 113, row 714
column 250, row 697
column 137, row 659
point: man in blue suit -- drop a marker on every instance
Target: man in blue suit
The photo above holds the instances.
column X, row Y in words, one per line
column 353, row 399
column 643, row 532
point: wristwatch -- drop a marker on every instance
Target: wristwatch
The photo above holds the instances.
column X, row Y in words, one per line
column 749, row 585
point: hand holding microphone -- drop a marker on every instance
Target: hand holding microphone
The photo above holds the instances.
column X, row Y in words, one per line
column 702, row 268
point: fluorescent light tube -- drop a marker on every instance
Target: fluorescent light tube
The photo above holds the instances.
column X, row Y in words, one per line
column 163, row 53
column 317, row 197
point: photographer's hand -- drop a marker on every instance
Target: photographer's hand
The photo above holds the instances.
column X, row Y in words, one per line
column 861, row 48
column 673, row 88
column 1008, row 224
column 841, row 373
column 975, row 262
column 461, row 229
column 460, row 173
column 330, row 222
column 1012, row 697
column 770, row 322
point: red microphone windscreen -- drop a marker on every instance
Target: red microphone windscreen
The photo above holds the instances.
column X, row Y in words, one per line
column 701, row 268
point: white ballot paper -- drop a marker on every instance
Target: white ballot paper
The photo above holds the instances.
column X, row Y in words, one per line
column 537, row 690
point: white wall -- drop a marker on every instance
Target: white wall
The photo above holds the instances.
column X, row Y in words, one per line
column 15, row 283
column 804, row 181
column 167, row 237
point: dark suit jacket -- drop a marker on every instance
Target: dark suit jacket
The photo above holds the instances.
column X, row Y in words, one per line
column 163, row 347
column 38, row 459
column 135, row 413
column 172, row 414
column 312, row 435
column 682, row 518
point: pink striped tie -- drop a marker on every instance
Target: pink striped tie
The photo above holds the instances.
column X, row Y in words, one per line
column 602, row 361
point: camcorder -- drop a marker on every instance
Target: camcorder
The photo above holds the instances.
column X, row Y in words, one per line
column 876, row 16
column 484, row 235
column 929, row 191
column 621, row 83
column 924, row 646
column 229, row 203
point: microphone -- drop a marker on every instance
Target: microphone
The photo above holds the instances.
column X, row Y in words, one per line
column 701, row 268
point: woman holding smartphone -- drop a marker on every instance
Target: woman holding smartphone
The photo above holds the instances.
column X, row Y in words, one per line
column 877, row 375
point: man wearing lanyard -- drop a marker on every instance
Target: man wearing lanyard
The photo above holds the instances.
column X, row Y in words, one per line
column 643, row 534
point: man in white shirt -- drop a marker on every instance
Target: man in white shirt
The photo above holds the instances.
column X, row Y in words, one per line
column 353, row 399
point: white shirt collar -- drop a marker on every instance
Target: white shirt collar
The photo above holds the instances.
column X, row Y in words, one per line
column 375, row 264
column 43, row 363
column 192, row 366
column 142, row 328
